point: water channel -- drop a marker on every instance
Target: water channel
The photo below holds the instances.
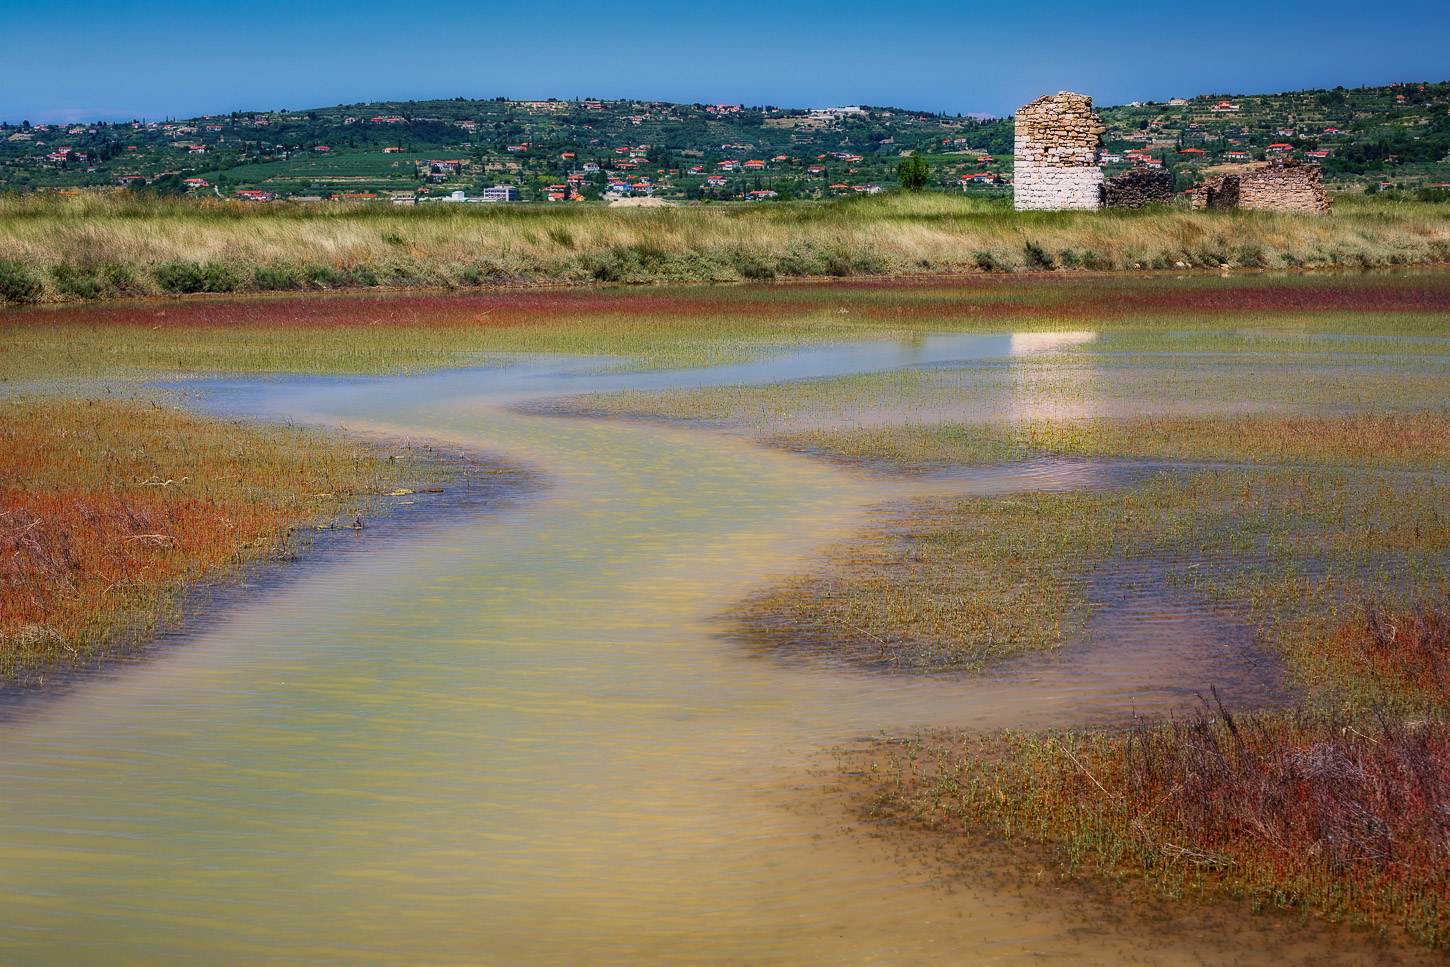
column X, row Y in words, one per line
column 520, row 738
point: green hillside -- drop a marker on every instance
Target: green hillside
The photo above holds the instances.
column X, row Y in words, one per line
column 1365, row 139
column 1397, row 136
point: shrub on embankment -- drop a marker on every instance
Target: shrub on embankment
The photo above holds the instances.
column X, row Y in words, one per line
column 59, row 248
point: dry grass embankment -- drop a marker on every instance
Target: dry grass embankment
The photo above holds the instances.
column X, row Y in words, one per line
column 56, row 248
column 110, row 509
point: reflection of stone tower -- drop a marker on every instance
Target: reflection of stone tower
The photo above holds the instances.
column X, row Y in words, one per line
column 1049, row 380
column 1057, row 143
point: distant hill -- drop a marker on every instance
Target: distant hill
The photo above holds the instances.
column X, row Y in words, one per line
column 1397, row 136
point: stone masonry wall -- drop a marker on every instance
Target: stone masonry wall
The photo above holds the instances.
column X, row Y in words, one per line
column 1273, row 186
column 1287, row 187
column 1139, row 187
column 1058, row 138
column 1053, row 189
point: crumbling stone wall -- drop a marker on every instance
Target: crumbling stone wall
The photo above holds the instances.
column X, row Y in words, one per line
column 1217, row 193
column 1139, row 187
column 1058, row 138
column 1286, row 186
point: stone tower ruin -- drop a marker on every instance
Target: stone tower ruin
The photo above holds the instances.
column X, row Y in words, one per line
column 1058, row 139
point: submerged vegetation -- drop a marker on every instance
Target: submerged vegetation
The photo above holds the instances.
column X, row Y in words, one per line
column 1328, row 315
column 950, row 583
column 111, row 509
column 60, row 248
column 1388, row 440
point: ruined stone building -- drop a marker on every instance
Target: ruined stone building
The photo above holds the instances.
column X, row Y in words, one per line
column 1058, row 138
column 1058, row 142
column 1286, row 186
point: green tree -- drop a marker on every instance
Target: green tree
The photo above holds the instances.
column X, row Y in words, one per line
column 913, row 172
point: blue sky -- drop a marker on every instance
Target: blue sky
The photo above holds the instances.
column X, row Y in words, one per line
column 83, row 59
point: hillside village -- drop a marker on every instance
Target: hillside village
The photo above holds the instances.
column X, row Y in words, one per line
column 1374, row 139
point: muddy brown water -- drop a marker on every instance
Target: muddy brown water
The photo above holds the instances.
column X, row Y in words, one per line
column 520, row 739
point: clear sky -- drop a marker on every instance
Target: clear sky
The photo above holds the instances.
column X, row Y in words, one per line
column 85, row 59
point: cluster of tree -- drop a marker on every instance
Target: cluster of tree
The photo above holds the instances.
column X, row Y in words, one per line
column 1430, row 144
column 913, row 172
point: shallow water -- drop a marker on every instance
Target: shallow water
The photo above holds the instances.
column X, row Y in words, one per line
column 520, row 738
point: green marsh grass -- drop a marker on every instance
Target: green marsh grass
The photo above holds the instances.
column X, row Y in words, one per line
column 961, row 583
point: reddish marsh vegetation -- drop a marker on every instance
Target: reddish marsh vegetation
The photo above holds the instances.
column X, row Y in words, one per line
column 386, row 333
column 1342, row 819
column 107, row 509
column 481, row 310
column 1119, row 297
column 1408, row 651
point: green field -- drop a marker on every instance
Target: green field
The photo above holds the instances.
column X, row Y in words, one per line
column 310, row 173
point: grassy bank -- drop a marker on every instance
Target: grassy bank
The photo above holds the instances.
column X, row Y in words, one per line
column 57, row 248
column 111, row 509
column 1304, row 520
